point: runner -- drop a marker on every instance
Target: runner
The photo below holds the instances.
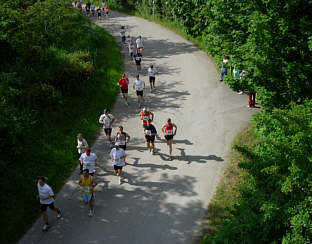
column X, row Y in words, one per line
column 118, row 156
column 128, row 40
column 145, row 115
column 123, row 84
column 46, row 196
column 151, row 74
column 122, row 138
column 88, row 161
column 87, row 182
column 123, row 34
column 106, row 10
column 103, row 5
column 92, row 9
column 167, row 130
column 138, row 59
column 150, row 133
column 131, row 49
column 82, row 145
column 99, row 14
column 88, row 9
column 107, row 120
column 139, row 86
column 139, row 43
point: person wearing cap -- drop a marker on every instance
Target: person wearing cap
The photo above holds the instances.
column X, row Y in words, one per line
column 139, row 86
column 107, row 119
column 88, row 161
column 169, row 129
column 145, row 115
column 87, row 182
column 118, row 156
column 82, row 145
column 150, row 133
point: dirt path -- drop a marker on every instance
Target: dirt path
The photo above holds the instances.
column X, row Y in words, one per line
column 162, row 201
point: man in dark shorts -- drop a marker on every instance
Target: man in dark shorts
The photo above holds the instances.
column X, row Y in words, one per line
column 150, row 133
column 107, row 119
column 99, row 14
column 139, row 86
column 138, row 59
column 46, row 196
column 123, row 84
column 118, row 156
column 122, row 138
column 169, row 129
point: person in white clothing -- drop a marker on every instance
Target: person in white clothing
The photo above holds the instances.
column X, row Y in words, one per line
column 139, row 44
column 151, row 74
column 123, row 34
column 139, row 86
column 46, row 196
column 82, row 145
column 128, row 39
column 131, row 49
column 103, row 5
column 118, row 156
column 107, row 120
column 88, row 161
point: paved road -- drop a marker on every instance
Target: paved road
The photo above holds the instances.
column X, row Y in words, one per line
column 162, row 201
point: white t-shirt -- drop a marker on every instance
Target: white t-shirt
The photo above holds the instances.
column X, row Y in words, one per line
column 139, row 85
column 107, row 120
column 151, row 71
column 80, row 143
column 88, row 162
column 131, row 48
column 103, row 4
column 128, row 40
column 122, row 32
column 45, row 191
column 117, row 154
column 139, row 43
column 92, row 6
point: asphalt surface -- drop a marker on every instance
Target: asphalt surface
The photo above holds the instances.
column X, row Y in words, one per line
column 161, row 201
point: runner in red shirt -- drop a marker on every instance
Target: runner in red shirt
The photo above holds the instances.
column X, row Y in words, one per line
column 145, row 115
column 123, row 84
column 169, row 129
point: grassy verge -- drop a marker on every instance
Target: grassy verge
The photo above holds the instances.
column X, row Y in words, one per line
column 52, row 148
column 227, row 192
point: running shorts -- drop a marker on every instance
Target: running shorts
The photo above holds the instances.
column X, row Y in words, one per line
column 99, row 14
column 152, row 79
column 87, row 197
column 138, row 62
column 150, row 138
column 45, row 206
column 139, row 93
column 168, row 138
column 123, row 38
column 108, row 131
column 124, row 90
column 117, row 167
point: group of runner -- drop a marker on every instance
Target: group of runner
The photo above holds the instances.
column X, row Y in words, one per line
column 118, row 144
column 91, row 9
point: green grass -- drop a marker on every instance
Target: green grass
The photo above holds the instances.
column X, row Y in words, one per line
column 227, row 192
column 52, row 149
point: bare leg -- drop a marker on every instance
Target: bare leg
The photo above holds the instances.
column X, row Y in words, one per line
column 45, row 217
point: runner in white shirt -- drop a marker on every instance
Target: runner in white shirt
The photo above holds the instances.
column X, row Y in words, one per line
column 88, row 161
column 139, row 43
column 118, row 156
column 46, row 196
column 92, row 9
column 128, row 39
column 131, row 49
column 123, row 34
column 151, row 74
column 103, row 5
column 139, row 86
column 82, row 145
column 107, row 120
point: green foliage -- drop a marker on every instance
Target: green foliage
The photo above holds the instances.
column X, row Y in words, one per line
column 55, row 64
column 275, row 206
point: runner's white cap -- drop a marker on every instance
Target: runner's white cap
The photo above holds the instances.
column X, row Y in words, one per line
column 117, row 144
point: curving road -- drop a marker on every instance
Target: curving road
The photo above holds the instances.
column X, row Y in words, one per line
column 162, row 201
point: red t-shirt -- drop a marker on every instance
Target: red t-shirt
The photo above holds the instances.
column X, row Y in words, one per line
column 123, row 83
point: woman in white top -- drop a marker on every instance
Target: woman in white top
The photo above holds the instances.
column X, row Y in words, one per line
column 82, row 146
column 131, row 49
column 139, row 43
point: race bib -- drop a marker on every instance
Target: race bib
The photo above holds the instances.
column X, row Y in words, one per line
column 137, row 58
column 169, row 132
column 145, row 117
column 148, row 132
column 86, row 189
column 122, row 142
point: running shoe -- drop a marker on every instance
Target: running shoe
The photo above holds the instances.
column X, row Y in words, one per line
column 59, row 214
column 153, row 152
column 91, row 213
column 170, row 158
column 45, row 227
column 120, row 180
